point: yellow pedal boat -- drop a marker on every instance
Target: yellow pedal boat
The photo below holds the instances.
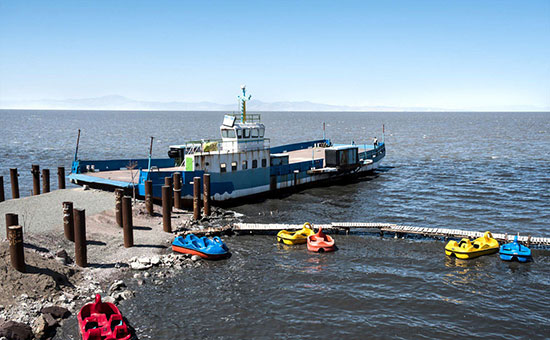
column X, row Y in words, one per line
column 295, row 237
column 466, row 249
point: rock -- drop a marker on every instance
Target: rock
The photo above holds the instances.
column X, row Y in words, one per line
column 16, row 331
column 57, row 312
column 139, row 266
column 109, row 299
column 39, row 326
column 195, row 258
column 144, row 260
column 116, row 286
column 155, row 260
column 125, row 295
column 137, row 275
column 50, row 320
column 146, row 274
column 62, row 257
column 140, row 282
column 85, row 187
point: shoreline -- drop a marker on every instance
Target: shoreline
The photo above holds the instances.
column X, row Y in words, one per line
column 52, row 277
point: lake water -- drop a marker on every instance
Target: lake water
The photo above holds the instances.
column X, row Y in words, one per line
column 474, row 171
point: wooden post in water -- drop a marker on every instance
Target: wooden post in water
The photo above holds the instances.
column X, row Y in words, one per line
column 14, row 183
column 80, row 251
column 127, row 222
column 177, row 190
column 60, row 177
column 168, row 182
column 17, row 254
column 196, row 198
column 35, row 179
column 149, row 197
column 11, row 220
column 68, row 220
column 166, row 209
column 2, row 196
column 118, row 206
column 45, row 180
column 206, row 194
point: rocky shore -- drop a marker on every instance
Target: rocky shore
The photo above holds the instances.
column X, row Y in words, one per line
column 35, row 303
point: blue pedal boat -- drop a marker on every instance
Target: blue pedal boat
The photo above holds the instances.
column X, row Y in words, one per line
column 515, row 250
column 211, row 249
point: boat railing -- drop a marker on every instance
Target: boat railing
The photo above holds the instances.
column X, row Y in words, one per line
column 250, row 117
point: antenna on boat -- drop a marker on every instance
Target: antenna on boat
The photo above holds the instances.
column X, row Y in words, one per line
column 383, row 134
column 150, row 154
column 77, row 142
column 243, row 98
column 324, row 137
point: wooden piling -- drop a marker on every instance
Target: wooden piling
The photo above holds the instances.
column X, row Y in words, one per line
column 206, row 194
column 35, row 179
column 149, row 197
column 166, row 209
column 45, row 180
column 17, row 253
column 60, row 177
column 14, row 183
column 11, row 220
column 118, row 206
column 2, row 196
column 177, row 190
column 80, row 251
column 127, row 222
column 196, row 198
column 68, row 220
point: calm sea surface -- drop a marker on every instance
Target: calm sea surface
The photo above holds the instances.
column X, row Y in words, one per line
column 474, row 171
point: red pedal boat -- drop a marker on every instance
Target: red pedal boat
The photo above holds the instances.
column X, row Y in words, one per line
column 102, row 321
column 320, row 242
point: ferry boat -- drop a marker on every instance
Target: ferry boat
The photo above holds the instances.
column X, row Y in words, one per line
column 241, row 164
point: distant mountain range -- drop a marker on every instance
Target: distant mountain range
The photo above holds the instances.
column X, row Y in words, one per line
column 114, row 102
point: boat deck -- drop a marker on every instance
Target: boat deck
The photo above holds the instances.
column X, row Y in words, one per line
column 127, row 176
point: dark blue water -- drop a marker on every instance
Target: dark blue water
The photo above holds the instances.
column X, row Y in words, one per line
column 475, row 171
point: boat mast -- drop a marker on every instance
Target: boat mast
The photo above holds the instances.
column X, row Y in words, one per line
column 243, row 98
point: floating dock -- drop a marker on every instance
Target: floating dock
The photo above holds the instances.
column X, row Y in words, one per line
column 397, row 230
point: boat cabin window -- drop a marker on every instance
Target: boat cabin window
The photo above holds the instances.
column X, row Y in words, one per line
column 245, row 165
column 254, row 133
column 222, row 167
column 262, row 133
column 246, row 133
column 233, row 166
column 254, row 164
column 239, row 133
column 228, row 133
column 264, row 162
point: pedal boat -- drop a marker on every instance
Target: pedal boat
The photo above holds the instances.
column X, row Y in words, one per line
column 295, row 237
column 515, row 251
column 210, row 249
column 102, row 321
column 320, row 242
column 466, row 249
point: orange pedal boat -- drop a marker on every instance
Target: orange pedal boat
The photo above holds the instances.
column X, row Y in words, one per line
column 320, row 242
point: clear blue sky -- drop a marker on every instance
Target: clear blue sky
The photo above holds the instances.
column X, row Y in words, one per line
column 450, row 54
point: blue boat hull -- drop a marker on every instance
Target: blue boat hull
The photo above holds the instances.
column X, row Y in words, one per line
column 204, row 247
column 515, row 251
